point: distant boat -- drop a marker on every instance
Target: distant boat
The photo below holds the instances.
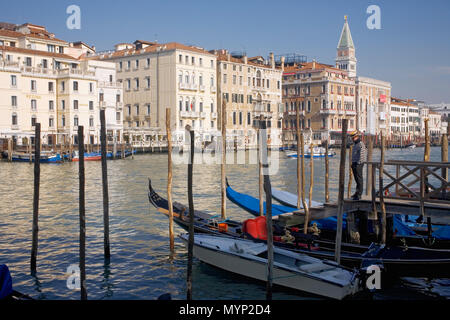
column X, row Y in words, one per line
column 46, row 157
column 290, row 269
column 410, row 146
column 93, row 156
column 318, row 152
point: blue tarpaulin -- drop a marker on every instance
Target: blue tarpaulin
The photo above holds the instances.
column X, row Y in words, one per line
column 5, row 282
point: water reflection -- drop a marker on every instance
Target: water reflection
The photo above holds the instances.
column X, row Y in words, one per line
column 141, row 265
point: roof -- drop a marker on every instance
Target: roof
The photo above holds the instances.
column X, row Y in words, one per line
column 224, row 57
column 346, row 40
column 401, row 102
column 15, row 34
column 36, row 52
column 154, row 48
column 309, row 66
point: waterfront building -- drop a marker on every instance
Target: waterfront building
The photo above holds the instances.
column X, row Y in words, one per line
column 159, row 76
column 250, row 88
column 45, row 80
column 404, row 121
column 373, row 99
column 326, row 96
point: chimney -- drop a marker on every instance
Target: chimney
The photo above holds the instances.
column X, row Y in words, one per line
column 272, row 60
column 228, row 56
column 314, row 64
column 283, row 59
column 245, row 59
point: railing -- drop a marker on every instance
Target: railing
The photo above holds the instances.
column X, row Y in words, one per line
column 108, row 84
column 413, row 180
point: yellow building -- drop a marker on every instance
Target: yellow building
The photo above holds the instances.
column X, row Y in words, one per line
column 250, row 88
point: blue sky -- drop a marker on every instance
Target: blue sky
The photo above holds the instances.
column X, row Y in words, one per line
column 412, row 49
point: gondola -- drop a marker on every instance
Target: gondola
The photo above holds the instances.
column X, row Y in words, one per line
column 404, row 235
column 7, row 293
column 396, row 260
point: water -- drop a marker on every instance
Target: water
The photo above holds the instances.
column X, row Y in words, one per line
column 141, row 267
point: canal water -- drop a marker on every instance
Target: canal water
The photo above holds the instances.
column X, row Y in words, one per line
column 141, row 266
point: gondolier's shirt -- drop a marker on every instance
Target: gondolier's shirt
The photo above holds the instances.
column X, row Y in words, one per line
column 359, row 154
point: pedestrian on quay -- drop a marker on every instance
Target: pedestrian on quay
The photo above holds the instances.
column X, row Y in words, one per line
column 359, row 157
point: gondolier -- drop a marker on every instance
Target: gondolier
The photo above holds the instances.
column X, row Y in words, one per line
column 359, row 157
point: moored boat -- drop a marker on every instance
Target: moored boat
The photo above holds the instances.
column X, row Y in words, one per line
column 290, row 269
column 401, row 260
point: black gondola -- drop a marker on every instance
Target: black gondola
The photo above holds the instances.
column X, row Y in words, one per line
column 397, row 260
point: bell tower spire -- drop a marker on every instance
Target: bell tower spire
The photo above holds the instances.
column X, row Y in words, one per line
column 346, row 58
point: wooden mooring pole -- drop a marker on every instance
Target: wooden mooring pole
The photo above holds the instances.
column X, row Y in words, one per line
column 223, row 184
column 424, row 187
column 169, row 179
column 191, row 215
column 260, row 167
column 369, row 166
column 350, row 172
column 340, row 218
column 81, row 175
column 444, row 158
column 303, row 183
column 382, row 206
column 327, row 174
column 311, row 183
column 37, row 180
column 299, row 154
column 106, row 243
column 269, row 223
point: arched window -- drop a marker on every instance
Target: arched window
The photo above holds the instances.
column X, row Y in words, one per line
column 258, row 78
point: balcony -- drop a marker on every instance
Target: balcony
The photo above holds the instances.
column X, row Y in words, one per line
column 9, row 66
column 202, row 115
column 202, row 88
column 112, row 85
column 14, row 127
column 328, row 111
column 119, row 106
column 350, row 112
column 189, row 114
column 213, row 89
column 38, row 71
column 102, row 105
column 294, row 113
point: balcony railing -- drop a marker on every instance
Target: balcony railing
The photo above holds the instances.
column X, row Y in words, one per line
column 328, row 111
column 108, row 84
column 189, row 114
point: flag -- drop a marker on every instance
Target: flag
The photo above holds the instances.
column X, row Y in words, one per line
column 191, row 106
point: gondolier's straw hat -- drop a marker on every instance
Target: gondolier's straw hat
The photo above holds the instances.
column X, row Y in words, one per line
column 354, row 133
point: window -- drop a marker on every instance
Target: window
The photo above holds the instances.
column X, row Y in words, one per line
column 44, row 63
column 33, row 105
column 137, row 83
column 212, row 107
column 148, row 63
column 75, row 104
column 234, row 79
column 224, row 78
column 63, row 86
column 51, row 48
column 33, row 85
column 50, row 122
column 33, row 121
column 148, row 82
column 28, row 61
column 13, row 81
column 14, row 119
column 51, row 105
column 136, row 107
column 186, row 59
column 50, row 87
column 128, row 65
column 181, row 105
column 91, row 122
column 91, row 87
column 101, row 97
column 14, row 101
column 120, row 65
column 63, row 121
column 75, row 121
column 212, row 63
column 117, row 116
column 193, row 60
column 200, row 62
column 128, row 84
column 234, row 117
column 75, row 86
column 249, row 121
column 129, row 110
column 180, row 58
column 201, row 106
column 240, row 118
column 63, row 104
column 137, row 64
column 117, row 97
column 91, row 105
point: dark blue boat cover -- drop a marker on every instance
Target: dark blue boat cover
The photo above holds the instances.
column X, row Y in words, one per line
column 443, row 233
column 251, row 204
column 5, row 282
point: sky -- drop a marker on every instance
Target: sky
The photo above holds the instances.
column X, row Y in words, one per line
column 411, row 50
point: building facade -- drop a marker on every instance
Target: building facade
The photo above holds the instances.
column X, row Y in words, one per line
column 250, row 88
column 159, row 76
column 41, row 83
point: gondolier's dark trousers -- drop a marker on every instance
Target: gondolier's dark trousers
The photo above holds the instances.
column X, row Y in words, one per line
column 358, row 174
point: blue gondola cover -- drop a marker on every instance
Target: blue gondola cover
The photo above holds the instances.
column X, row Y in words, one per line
column 5, row 282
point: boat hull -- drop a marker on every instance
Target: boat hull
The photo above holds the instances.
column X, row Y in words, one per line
column 258, row 270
